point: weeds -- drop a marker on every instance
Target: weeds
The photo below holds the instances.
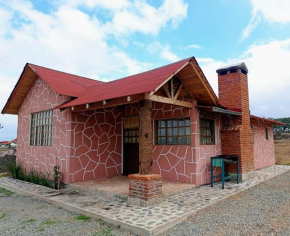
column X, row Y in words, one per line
column 105, row 232
column 18, row 172
column 83, row 218
column 5, row 192
column 49, row 222
column 2, row 216
column 29, row 221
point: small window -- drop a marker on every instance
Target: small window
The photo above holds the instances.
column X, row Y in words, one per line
column 253, row 131
column 172, row 132
column 207, row 132
column 267, row 133
column 41, row 128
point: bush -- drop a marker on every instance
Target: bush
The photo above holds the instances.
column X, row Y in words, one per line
column 18, row 172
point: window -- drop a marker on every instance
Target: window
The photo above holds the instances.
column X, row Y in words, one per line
column 253, row 131
column 207, row 132
column 172, row 132
column 267, row 133
column 41, row 128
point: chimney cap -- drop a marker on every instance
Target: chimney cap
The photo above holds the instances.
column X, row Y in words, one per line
column 239, row 65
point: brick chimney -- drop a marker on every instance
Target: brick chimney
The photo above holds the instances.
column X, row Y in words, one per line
column 234, row 94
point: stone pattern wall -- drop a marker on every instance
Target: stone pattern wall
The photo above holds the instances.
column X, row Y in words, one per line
column 96, row 144
column 85, row 145
column 183, row 163
column 263, row 148
column 42, row 97
column 88, row 145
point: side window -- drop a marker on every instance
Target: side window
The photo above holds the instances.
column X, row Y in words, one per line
column 41, row 128
column 172, row 132
column 207, row 132
column 267, row 132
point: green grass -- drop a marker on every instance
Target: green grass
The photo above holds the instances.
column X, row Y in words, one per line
column 5, row 193
column 5, row 174
column 105, row 230
column 49, row 222
column 29, row 221
column 17, row 171
column 83, row 218
column 2, row 216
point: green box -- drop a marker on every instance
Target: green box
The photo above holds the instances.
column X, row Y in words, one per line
column 217, row 162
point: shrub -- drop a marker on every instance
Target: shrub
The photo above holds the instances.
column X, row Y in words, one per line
column 18, row 172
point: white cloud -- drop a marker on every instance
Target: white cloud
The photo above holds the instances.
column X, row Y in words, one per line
column 254, row 22
column 272, row 11
column 168, row 55
column 269, row 77
column 164, row 51
column 69, row 39
column 194, row 46
column 144, row 18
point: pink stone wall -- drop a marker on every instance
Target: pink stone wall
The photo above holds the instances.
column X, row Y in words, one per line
column 43, row 158
column 97, row 144
column 264, row 153
column 183, row 163
column 88, row 145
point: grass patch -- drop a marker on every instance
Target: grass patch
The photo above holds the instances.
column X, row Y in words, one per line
column 83, row 218
column 105, row 232
column 19, row 172
column 5, row 193
column 29, row 221
column 49, row 222
column 4, row 174
column 2, row 216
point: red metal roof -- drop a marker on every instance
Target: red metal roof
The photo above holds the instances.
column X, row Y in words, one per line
column 267, row 120
column 136, row 84
column 64, row 83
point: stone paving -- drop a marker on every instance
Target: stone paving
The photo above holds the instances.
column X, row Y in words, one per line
column 142, row 221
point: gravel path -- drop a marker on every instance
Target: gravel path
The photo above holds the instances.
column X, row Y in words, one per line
column 262, row 210
column 21, row 215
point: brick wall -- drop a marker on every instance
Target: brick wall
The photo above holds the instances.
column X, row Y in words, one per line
column 145, row 190
column 234, row 93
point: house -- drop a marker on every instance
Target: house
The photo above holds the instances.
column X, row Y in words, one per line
column 166, row 122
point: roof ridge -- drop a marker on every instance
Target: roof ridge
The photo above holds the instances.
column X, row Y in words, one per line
column 66, row 73
column 127, row 77
column 189, row 58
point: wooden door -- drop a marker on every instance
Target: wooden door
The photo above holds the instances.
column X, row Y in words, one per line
column 131, row 145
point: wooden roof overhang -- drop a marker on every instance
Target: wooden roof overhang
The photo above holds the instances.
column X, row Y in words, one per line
column 21, row 89
column 187, row 82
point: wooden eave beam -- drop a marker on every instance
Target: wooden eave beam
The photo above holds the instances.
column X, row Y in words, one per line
column 178, row 92
column 171, row 76
column 161, row 99
column 203, row 83
column 109, row 103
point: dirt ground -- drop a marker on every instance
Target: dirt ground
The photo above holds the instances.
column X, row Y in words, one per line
column 282, row 151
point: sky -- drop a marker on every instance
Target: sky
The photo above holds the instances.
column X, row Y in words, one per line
column 107, row 40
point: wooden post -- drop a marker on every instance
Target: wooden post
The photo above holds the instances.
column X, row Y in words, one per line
column 145, row 138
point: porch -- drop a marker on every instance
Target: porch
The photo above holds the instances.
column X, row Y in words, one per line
column 118, row 187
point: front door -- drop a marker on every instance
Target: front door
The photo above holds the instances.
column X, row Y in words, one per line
column 131, row 145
